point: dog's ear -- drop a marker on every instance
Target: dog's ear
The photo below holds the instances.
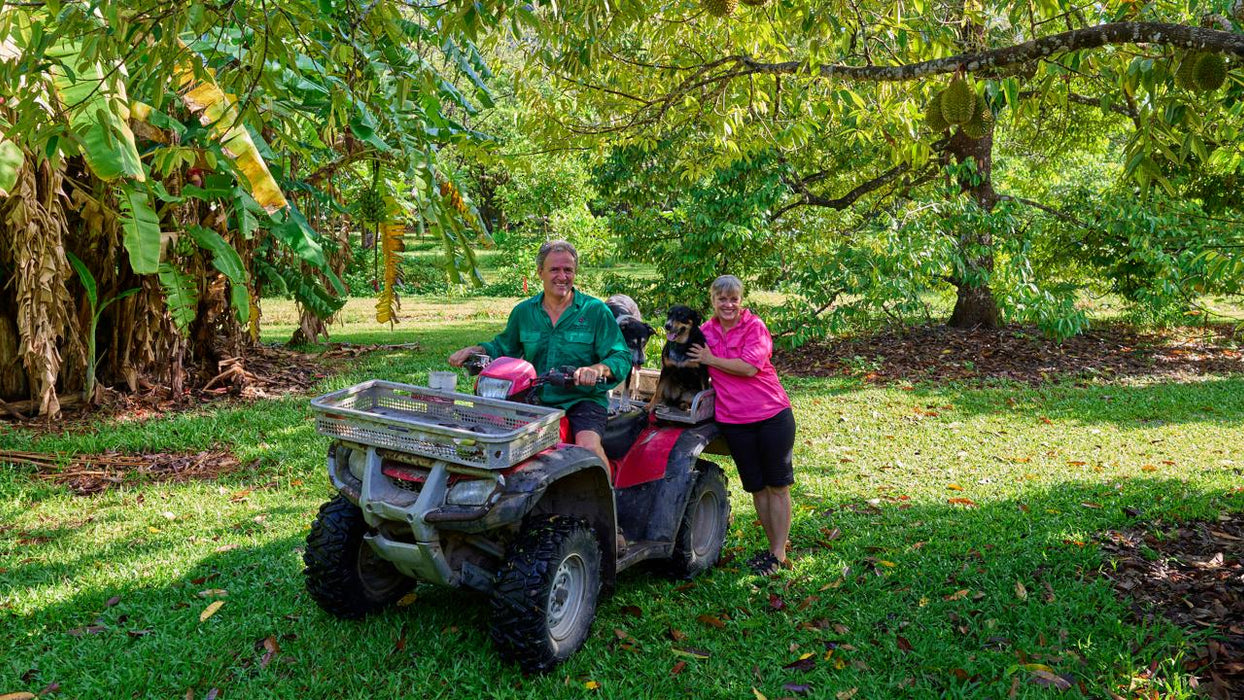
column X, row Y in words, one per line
column 696, row 318
column 649, row 331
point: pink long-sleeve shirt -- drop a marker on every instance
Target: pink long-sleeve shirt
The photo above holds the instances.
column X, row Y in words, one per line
column 745, row 399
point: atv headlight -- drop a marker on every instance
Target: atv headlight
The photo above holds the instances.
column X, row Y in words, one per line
column 493, row 388
column 470, row 492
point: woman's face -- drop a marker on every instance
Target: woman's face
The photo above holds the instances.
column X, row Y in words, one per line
column 727, row 306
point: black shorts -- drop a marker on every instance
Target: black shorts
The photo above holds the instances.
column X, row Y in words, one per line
column 763, row 450
column 586, row 415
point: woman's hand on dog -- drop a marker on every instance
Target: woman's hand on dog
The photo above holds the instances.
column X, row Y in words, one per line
column 701, row 355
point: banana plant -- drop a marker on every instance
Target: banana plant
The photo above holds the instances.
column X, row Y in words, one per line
column 97, row 309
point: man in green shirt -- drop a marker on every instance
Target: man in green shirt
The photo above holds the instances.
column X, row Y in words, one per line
column 563, row 326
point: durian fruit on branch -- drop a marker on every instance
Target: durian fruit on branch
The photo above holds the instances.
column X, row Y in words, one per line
column 721, row 8
column 958, row 102
column 982, row 119
column 391, row 244
column 1209, row 72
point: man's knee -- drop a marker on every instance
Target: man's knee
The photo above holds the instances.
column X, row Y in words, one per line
column 588, row 439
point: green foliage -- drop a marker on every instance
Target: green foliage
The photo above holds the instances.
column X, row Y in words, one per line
column 694, row 231
column 143, row 240
column 318, row 86
column 11, row 160
column 227, row 260
column 180, row 294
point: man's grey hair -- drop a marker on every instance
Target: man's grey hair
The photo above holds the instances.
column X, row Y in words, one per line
column 556, row 247
column 726, row 284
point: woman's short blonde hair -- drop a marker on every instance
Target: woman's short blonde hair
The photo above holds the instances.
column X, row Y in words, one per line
column 726, row 284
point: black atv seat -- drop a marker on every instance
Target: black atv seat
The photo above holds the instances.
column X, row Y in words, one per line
column 621, row 429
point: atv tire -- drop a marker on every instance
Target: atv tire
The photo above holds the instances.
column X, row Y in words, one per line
column 705, row 520
column 544, row 600
column 344, row 575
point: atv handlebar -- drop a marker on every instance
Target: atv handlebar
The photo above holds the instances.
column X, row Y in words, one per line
column 558, row 376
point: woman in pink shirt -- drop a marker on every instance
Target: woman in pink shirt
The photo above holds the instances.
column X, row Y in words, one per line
column 753, row 412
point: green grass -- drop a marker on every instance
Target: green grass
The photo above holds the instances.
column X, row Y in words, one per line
column 1046, row 467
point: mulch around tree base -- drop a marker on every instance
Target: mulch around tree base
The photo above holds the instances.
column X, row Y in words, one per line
column 265, row 371
column 88, row 474
column 1193, row 574
column 1021, row 354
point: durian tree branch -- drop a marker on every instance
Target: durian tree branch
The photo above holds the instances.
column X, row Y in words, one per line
column 1113, row 34
column 1056, row 213
column 846, row 200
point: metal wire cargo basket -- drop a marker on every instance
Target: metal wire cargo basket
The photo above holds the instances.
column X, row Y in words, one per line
column 458, row 428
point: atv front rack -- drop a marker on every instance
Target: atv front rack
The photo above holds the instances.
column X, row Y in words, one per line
column 458, row 428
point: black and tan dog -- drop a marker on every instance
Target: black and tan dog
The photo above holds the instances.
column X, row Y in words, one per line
column 634, row 331
column 681, row 377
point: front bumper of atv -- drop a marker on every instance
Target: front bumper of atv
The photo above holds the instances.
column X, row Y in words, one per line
column 408, row 520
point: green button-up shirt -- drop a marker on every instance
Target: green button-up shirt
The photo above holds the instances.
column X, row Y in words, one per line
column 585, row 334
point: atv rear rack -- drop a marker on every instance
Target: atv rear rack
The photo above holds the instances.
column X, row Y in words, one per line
column 458, row 428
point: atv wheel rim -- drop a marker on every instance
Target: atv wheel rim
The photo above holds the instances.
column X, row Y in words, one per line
column 566, row 597
column 377, row 576
column 704, row 525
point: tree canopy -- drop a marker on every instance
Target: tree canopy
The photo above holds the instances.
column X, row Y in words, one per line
column 792, row 140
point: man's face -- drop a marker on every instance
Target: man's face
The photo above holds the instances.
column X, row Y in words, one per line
column 558, row 274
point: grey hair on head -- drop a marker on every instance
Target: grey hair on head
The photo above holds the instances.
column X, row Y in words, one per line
column 556, row 247
column 726, row 284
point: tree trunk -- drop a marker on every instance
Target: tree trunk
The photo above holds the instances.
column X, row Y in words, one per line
column 13, row 384
column 310, row 328
column 975, row 305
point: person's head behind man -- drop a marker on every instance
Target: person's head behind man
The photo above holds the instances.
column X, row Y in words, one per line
column 556, row 264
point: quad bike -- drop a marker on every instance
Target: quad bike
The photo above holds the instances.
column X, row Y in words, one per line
column 484, row 492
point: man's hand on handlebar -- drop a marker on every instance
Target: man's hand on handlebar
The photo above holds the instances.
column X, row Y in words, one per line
column 591, row 375
column 456, row 359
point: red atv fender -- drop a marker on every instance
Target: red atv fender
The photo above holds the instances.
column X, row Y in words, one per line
column 654, row 480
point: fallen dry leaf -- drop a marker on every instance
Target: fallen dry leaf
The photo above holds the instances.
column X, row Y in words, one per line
column 954, row 487
column 805, row 662
column 678, row 667
column 1050, row 679
column 847, row 694
column 961, row 501
column 1020, row 591
column 690, row 651
column 210, row 610
column 711, row 621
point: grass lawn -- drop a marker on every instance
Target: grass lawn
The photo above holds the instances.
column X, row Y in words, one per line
column 943, row 535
